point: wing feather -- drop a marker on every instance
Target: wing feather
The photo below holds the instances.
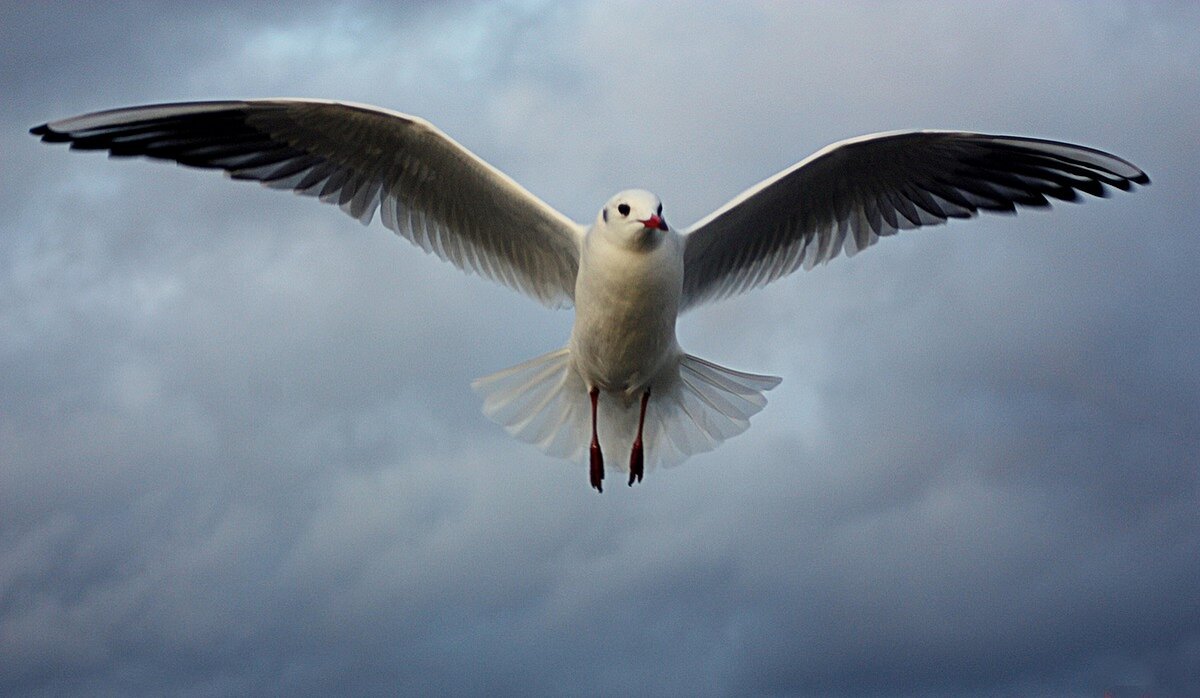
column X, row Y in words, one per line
column 847, row 196
column 428, row 188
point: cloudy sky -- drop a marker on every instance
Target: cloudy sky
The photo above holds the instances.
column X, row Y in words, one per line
column 239, row 452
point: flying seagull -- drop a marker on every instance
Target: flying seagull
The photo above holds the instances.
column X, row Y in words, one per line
column 622, row 378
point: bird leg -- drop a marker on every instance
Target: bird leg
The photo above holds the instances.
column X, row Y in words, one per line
column 597, row 469
column 636, row 461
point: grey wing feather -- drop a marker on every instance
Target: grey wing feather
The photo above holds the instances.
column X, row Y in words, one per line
column 848, row 195
column 428, row 188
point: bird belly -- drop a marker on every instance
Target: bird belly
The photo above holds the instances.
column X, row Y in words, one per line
column 625, row 308
column 622, row 355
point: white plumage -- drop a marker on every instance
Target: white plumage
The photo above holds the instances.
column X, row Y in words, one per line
column 628, row 274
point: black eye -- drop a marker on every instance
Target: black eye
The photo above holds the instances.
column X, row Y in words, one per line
column 623, row 209
column 660, row 209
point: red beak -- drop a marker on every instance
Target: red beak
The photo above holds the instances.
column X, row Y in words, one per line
column 655, row 221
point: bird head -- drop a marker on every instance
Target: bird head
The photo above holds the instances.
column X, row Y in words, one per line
column 633, row 217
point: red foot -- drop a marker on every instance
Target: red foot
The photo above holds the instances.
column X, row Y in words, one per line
column 597, row 469
column 636, row 460
column 636, row 463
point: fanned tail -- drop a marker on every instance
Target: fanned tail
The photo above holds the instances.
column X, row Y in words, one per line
column 707, row 405
column 542, row 401
column 694, row 406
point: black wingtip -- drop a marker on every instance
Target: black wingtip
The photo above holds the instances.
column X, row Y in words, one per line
column 1142, row 179
column 49, row 135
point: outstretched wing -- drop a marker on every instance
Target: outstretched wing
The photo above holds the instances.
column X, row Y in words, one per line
column 428, row 188
column 849, row 194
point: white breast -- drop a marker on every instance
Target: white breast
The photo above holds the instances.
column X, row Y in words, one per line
column 626, row 303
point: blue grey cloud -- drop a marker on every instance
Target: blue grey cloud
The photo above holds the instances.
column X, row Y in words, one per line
column 239, row 453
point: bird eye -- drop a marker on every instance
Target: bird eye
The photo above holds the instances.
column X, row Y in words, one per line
column 623, row 209
column 660, row 209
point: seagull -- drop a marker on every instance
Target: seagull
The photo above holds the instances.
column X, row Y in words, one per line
column 622, row 377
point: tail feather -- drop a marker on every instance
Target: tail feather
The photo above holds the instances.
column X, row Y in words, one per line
column 535, row 401
column 694, row 406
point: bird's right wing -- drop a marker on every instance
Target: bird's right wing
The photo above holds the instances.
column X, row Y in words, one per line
column 429, row 189
column 848, row 195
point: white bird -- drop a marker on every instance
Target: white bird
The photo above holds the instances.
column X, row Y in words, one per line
column 622, row 377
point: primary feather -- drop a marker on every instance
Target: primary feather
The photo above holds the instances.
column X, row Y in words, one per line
column 428, row 188
column 848, row 195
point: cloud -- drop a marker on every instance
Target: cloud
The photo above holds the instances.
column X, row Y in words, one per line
column 239, row 454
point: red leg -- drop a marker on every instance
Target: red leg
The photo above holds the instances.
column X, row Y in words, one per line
column 597, row 470
column 636, row 460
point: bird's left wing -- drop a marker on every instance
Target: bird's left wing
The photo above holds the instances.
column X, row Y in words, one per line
column 429, row 189
column 849, row 194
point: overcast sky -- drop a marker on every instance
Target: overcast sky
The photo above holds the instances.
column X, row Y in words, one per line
column 239, row 452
